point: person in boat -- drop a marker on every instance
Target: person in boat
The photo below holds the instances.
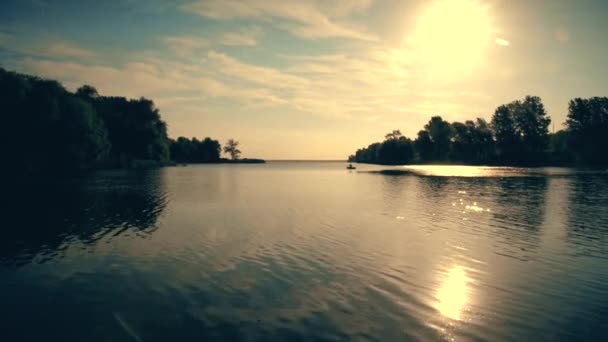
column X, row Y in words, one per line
column 350, row 167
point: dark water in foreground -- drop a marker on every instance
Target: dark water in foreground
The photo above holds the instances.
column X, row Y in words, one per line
column 302, row 251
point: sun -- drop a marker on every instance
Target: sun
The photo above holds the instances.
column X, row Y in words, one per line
column 452, row 35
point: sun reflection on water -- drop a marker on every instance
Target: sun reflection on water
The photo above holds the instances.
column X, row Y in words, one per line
column 452, row 295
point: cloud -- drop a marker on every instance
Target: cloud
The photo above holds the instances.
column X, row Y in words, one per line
column 368, row 83
column 243, row 38
column 65, row 49
column 305, row 19
column 186, row 45
column 45, row 47
column 502, row 42
column 256, row 74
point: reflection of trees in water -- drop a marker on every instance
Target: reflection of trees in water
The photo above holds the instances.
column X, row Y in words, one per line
column 520, row 211
column 434, row 186
column 588, row 214
column 522, row 201
column 41, row 216
column 393, row 186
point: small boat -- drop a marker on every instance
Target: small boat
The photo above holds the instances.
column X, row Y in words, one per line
column 351, row 167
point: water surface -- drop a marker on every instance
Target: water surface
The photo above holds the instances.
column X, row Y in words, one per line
column 303, row 250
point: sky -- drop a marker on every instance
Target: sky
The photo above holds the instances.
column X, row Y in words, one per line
column 314, row 79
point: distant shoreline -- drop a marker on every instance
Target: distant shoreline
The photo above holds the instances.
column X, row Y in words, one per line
column 227, row 161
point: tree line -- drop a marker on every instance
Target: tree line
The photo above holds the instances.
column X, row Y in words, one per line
column 47, row 129
column 518, row 134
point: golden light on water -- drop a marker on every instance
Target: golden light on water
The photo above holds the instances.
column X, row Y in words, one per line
column 453, row 170
column 452, row 295
column 451, row 35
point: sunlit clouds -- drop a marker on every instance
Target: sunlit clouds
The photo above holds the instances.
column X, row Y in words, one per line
column 451, row 35
column 306, row 19
column 502, row 42
column 346, row 71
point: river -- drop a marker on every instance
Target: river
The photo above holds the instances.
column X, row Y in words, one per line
column 307, row 251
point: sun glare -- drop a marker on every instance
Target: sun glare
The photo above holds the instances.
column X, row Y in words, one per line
column 452, row 295
column 451, row 35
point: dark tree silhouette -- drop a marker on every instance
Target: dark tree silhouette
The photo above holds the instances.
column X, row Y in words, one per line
column 440, row 132
column 47, row 129
column 522, row 131
column 394, row 135
column 87, row 92
column 587, row 126
column 135, row 128
column 395, row 150
column 508, row 143
column 424, row 146
column 398, row 151
column 533, row 125
column 559, row 151
column 184, row 150
column 50, row 130
column 472, row 142
column 231, row 149
column 517, row 135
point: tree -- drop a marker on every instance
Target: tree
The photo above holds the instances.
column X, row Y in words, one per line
column 368, row 154
column 522, row 131
column 398, row 151
column 135, row 129
column 560, row 154
column 532, row 123
column 424, row 146
column 440, row 133
column 48, row 129
column 587, row 126
column 87, row 92
column 394, row 135
column 472, row 142
column 484, row 142
column 231, row 148
column 508, row 142
column 184, row 150
column 394, row 150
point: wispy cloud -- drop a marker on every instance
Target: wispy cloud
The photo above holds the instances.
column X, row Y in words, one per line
column 306, row 19
column 243, row 38
column 166, row 82
column 502, row 42
column 186, row 45
column 45, row 47
column 252, row 73
column 66, row 49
